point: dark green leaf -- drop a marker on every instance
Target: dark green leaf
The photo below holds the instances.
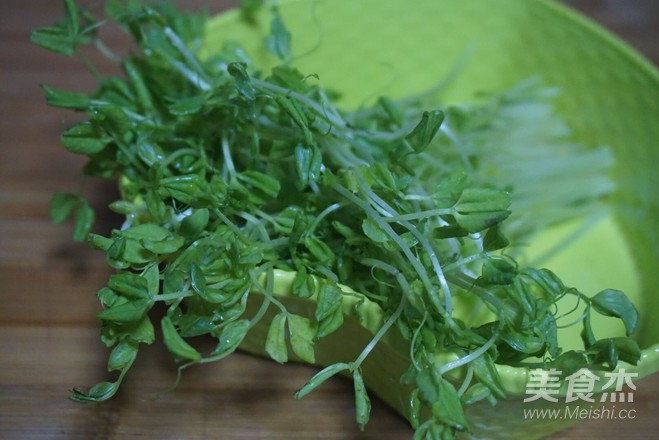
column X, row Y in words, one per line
column 570, row 362
column 499, row 270
column 61, row 206
column 424, row 132
column 194, row 224
column 494, row 239
column 60, row 98
column 615, row 303
column 83, row 139
column 268, row 185
column 175, row 343
column 243, row 84
column 83, row 222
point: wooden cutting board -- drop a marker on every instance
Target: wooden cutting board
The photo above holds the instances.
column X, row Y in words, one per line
column 48, row 335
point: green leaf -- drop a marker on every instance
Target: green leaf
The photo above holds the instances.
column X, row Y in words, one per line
column 175, row 343
column 302, row 337
column 268, row 185
column 609, row 351
column 184, row 188
column 130, row 285
column 480, row 208
column 187, row 106
column 61, row 206
column 122, row 356
column 308, row 161
column 320, row 250
column 146, row 231
column 615, row 303
column 475, row 393
column 424, row 132
column 198, row 281
column 231, row 337
column 494, row 239
column 295, row 110
column 275, row 342
column 278, row 42
column 152, row 276
column 304, row 285
column 570, row 362
column 83, row 138
column 373, row 230
column 83, row 222
column 143, row 332
column 499, row 270
column 442, row 398
column 54, row 38
column 320, row 377
column 328, row 309
column 587, row 335
column 448, row 409
column 362, row 402
column 127, row 312
column 486, row 372
column 63, row 99
column 100, row 392
column 164, row 247
column 243, row 83
column 194, row 224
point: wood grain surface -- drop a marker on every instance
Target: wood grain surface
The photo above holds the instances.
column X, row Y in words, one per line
column 48, row 333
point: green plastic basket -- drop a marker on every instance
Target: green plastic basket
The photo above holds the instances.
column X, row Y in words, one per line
column 609, row 96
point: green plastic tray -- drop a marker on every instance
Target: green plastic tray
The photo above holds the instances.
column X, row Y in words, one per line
column 609, row 96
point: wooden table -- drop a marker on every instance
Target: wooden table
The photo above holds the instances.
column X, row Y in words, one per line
column 48, row 333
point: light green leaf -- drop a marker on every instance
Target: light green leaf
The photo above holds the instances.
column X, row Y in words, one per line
column 275, row 342
column 328, row 309
column 129, row 285
column 122, row 356
column 362, row 402
column 278, row 42
column 302, row 337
